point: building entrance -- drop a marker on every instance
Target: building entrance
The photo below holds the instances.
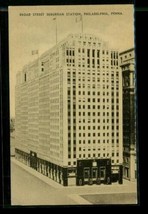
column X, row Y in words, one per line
column 94, row 173
column 102, row 173
column 33, row 160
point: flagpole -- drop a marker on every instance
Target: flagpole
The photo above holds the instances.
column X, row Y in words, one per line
column 80, row 19
column 56, row 29
column 56, row 32
column 81, row 23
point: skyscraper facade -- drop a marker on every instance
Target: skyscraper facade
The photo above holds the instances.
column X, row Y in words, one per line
column 69, row 112
column 127, row 63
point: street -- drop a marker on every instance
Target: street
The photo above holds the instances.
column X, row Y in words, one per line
column 28, row 189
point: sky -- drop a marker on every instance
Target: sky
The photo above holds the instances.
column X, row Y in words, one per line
column 33, row 28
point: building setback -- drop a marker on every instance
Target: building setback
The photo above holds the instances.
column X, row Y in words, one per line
column 69, row 113
column 127, row 63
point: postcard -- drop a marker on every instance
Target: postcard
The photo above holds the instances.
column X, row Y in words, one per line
column 72, row 105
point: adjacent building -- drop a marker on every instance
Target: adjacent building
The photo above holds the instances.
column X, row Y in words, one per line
column 69, row 113
column 127, row 63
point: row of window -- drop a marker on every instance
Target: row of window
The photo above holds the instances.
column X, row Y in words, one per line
column 95, row 106
column 96, row 127
column 98, row 93
column 94, row 114
column 93, row 120
column 90, row 71
column 96, row 134
column 94, row 141
column 93, row 65
column 82, row 92
column 96, row 86
column 90, row 156
column 95, row 149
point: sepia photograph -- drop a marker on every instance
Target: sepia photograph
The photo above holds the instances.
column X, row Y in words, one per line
column 73, row 105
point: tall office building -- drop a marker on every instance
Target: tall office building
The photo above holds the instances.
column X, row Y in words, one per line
column 127, row 63
column 69, row 113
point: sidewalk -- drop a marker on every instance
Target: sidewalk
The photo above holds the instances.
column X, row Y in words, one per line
column 37, row 174
column 126, row 187
column 80, row 194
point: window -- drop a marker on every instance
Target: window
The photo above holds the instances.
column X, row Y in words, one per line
column 93, row 53
column 25, row 77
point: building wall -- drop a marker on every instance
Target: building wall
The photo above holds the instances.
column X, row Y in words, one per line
column 95, row 101
column 69, row 105
column 129, row 114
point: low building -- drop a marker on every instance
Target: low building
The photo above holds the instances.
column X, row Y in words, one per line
column 127, row 63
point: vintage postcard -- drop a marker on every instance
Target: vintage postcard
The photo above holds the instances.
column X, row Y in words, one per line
column 72, row 105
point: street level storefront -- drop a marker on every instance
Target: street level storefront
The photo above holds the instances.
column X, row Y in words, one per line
column 93, row 171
